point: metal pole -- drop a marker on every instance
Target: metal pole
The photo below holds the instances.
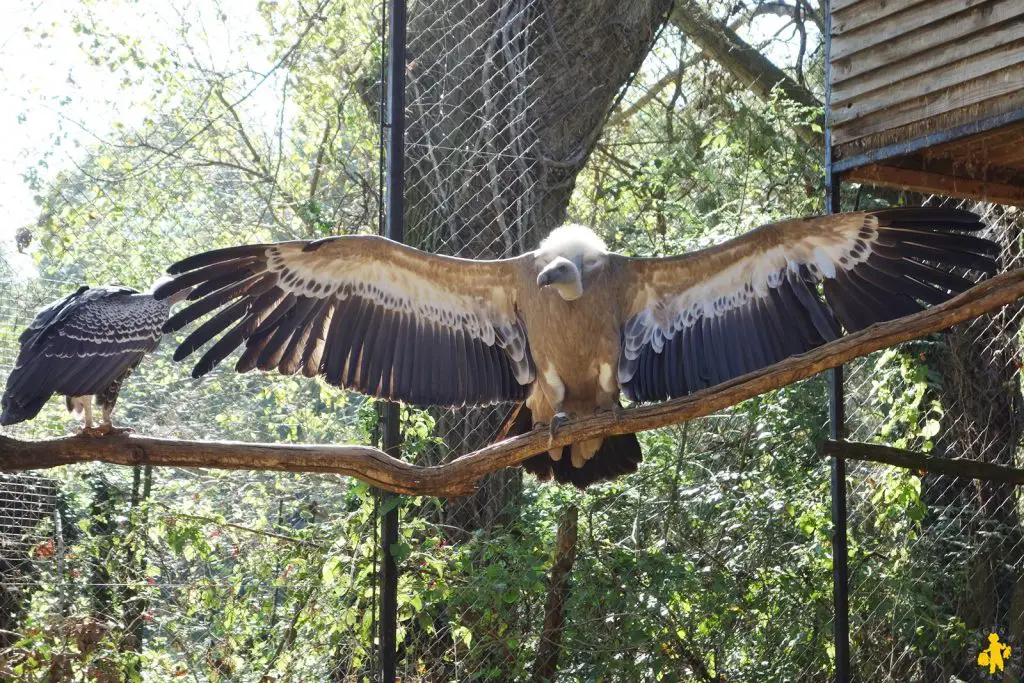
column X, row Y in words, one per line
column 391, row 434
column 836, row 417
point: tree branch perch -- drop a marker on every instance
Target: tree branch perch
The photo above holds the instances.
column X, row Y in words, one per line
column 922, row 462
column 458, row 477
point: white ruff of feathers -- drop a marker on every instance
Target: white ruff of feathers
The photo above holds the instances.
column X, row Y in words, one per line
column 571, row 239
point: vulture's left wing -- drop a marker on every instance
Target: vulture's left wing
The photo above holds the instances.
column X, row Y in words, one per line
column 711, row 315
column 364, row 312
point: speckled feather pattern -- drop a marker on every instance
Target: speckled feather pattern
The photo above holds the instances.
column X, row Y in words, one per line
column 84, row 344
column 392, row 321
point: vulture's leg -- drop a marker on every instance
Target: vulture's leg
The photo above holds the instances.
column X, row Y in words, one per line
column 87, row 428
column 553, row 391
column 608, row 395
column 106, row 401
column 106, row 426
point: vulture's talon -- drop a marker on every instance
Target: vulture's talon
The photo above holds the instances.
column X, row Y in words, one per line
column 557, row 422
column 102, row 430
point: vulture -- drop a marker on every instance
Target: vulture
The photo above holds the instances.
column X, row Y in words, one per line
column 84, row 345
column 570, row 327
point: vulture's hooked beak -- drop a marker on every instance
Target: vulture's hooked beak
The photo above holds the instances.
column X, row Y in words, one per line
column 565, row 276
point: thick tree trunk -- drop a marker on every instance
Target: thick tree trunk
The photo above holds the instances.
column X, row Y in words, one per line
column 506, row 100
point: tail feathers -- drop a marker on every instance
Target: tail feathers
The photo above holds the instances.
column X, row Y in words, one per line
column 618, row 455
column 14, row 412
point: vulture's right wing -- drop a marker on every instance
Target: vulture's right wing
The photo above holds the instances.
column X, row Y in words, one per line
column 364, row 312
column 708, row 316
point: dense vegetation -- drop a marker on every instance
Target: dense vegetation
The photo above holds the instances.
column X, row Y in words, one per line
column 237, row 124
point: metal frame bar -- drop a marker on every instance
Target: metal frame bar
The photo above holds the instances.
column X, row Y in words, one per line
column 394, row 228
column 837, row 419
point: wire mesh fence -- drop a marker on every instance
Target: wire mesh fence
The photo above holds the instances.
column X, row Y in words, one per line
column 711, row 563
column 168, row 573
column 935, row 560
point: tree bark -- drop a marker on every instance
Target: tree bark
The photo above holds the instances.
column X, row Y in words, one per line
column 558, row 593
column 506, row 101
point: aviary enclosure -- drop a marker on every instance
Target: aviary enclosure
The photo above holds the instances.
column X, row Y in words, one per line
column 648, row 120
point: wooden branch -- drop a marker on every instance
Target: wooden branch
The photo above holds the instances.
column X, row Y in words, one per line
column 457, row 477
column 652, row 92
column 954, row 467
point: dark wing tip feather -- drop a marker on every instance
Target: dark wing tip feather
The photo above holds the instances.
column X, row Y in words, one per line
column 217, row 256
column 934, row 217
column 168, row 289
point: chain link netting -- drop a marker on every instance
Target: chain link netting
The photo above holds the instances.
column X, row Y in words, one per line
column 711, row 563
column 111, row 573
column 935, row 560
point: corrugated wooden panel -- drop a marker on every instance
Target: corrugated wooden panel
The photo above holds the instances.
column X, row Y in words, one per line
column 998, row 106
column 837, row 5
column 951, row 186
column 847, row 108
column 895, row 25
column 927, row 42
column 974, row 91
column 865, row 12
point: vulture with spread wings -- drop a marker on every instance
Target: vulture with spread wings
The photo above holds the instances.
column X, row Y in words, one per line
column 568, row 327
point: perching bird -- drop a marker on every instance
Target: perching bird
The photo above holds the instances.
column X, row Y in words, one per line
column 81, row 346
column 570, row 326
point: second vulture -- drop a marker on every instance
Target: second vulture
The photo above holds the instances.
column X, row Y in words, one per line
column 568, row 327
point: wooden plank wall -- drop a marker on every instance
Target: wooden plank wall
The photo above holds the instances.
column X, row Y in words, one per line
column 901, row 69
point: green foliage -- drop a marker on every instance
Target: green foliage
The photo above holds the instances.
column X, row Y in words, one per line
column 713, row 562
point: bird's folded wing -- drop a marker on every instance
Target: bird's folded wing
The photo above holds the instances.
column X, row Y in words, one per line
column 782, row 289
column 81, row 344
column 364, row 312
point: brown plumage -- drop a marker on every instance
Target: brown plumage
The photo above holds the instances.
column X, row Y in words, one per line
column 570, row 326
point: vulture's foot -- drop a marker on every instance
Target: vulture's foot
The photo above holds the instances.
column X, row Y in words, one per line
column 616, row 410
column 557, row 422
column 102, row 430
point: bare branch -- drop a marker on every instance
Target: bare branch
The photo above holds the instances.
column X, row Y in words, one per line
column 652, row 92
column 548, row 650
column 744, row 62
column 922, row 462
column 457, row 477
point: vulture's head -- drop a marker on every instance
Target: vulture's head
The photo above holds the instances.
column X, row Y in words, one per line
column 567, row 257
column 180, row 295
